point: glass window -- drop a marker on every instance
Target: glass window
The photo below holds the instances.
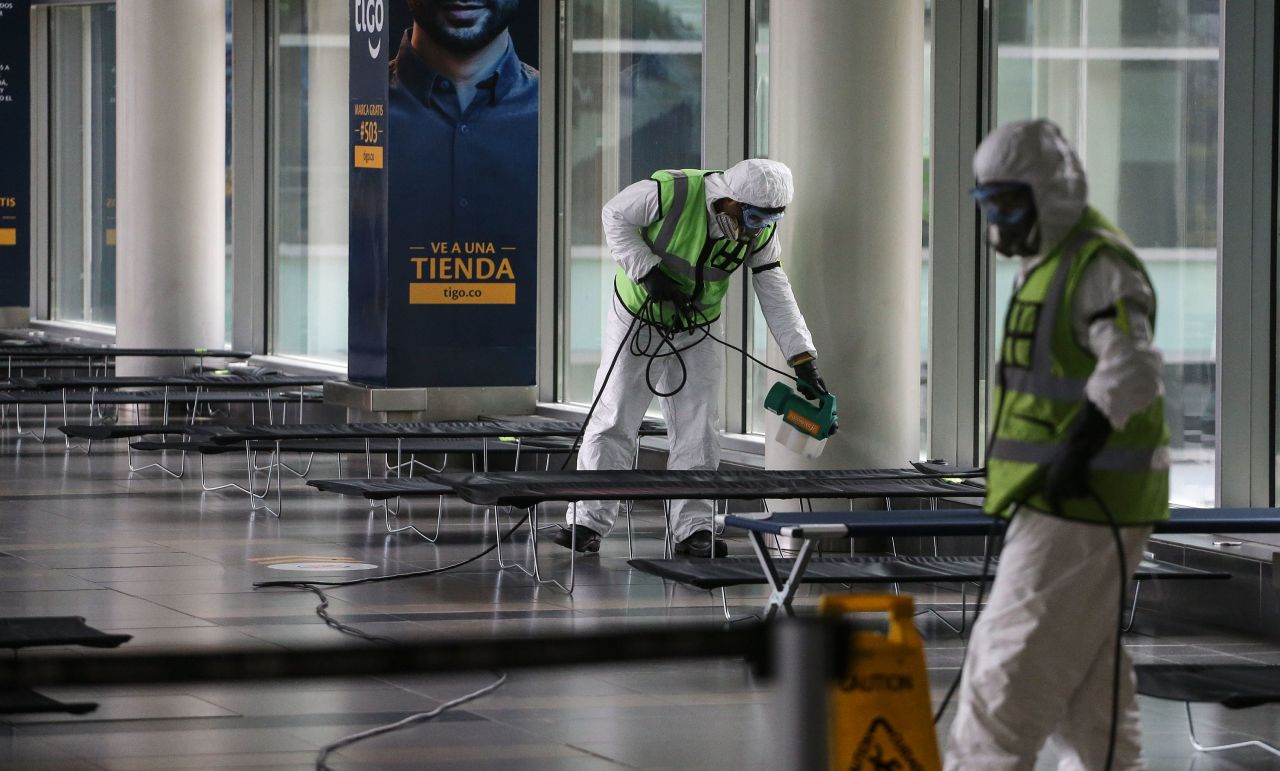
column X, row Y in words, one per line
column 634, row 106
column 1134, row 85
column 308, row 114
column 82, row 153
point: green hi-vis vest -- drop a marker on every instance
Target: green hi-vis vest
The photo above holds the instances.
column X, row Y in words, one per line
column 1043, row 369
column 699, row 264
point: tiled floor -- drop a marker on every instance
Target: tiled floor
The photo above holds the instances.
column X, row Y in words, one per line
column 157, row 558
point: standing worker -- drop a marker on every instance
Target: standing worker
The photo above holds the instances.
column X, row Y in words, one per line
column 677, row 238
column 1079, row 462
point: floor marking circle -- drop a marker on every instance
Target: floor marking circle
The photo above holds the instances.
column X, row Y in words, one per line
column 330, row 567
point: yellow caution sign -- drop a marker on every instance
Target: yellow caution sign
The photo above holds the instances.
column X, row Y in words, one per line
column 881, row 716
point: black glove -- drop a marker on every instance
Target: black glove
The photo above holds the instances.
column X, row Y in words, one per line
column 1068, row 472
column 662, row 288
column 810, row 383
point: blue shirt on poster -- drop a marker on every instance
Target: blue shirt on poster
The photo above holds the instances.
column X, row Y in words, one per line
column 465, row 177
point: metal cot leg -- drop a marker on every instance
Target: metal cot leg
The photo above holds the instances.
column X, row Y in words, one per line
column 1191, row 731
column 781, row 592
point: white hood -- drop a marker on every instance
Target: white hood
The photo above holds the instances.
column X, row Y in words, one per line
column 1035, row 153
column 760, row 182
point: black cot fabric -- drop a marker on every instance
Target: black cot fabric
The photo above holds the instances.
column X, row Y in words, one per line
column 24, row 701
column 103, row 433
column 973, row 522
column 198, row 432
column 381, row 489
column 736, row 571
column 867, row 569
column 1233, row 686
column 872, row 523
column 1221, row 521
column 648, row 426
column 405, row 447
column 9, row 349
column 947, row 470
column 26, row 632
column 493, row 429
column 528, row 488
column 202, row 447
column 156, row 397
column 229, row 380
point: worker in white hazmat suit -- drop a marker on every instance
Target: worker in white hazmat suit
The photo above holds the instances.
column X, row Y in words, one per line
column 1078, row 461
column 677, row 237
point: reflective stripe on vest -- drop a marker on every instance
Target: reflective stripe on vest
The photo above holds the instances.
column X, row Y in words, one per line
column 1039, row 379
column 1107, row 459
column 661, row 245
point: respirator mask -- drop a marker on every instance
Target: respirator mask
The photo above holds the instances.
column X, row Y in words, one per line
column 1013, row 227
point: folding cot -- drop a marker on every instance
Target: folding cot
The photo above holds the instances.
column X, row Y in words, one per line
column 29, row 352
column 25, row 632
column 1235, row 686
column 159, row 390
column 528, row 489
column 491, row 432
column 810, row 527
column 405, row 452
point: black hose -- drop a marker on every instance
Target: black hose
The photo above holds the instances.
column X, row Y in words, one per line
column 994, row 543
column 1116, row 651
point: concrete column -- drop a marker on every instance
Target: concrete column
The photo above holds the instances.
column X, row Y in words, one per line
column 845, row 103
column 170, row 112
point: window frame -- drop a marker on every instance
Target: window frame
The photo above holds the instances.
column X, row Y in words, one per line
column 1247, row 236
column 42, row 153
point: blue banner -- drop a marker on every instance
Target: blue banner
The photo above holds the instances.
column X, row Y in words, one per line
column 15, row 149
column 454, row 297
column 367, row 307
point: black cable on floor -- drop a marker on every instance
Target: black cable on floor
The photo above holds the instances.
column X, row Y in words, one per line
column 629, row 342
column 421, row 717
column 322, row 609
column 993, row 545
column 313, row 586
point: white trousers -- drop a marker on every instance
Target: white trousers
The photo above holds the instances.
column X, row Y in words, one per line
column 1040, row 658
column 692, row 415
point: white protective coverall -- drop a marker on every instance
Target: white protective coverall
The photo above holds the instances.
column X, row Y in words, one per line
column 1039, row 663
column 692, row 414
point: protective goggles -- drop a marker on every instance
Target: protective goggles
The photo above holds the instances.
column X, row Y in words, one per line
column 1004, row 203
column 756, row 218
